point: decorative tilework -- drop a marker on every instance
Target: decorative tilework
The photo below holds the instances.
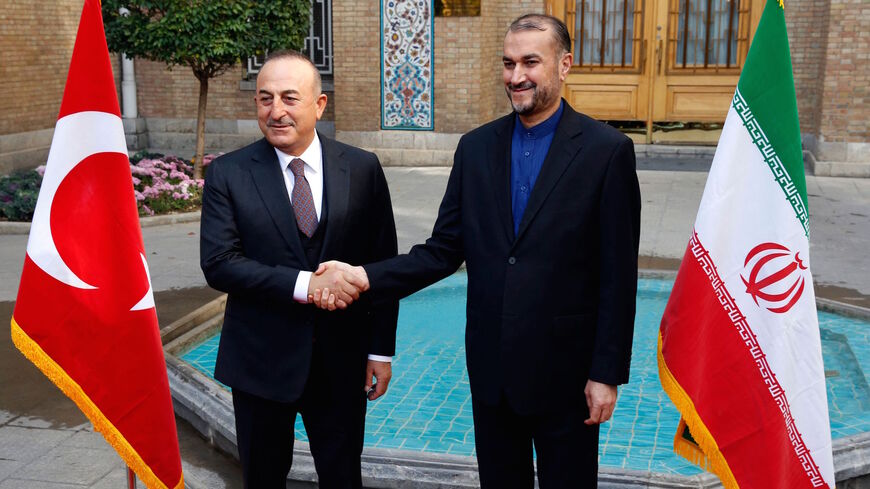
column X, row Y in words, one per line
column 407, row 30
column 428, row 406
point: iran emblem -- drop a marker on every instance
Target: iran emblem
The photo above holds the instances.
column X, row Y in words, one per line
column 774, row 277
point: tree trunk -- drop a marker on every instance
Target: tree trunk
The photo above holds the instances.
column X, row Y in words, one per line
column 200, row 126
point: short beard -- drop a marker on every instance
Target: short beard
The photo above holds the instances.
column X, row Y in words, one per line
column 541, row 97
column 519, row 109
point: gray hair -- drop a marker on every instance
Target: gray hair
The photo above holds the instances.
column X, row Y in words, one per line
column 293, row 54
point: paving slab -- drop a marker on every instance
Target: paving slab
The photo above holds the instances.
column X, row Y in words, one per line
column 31, row 484
column 8, row 468
column 12, row 251
column 85, row 439
column 116, row 479
column 70, row 464
column 28, row 444
column 5, row 416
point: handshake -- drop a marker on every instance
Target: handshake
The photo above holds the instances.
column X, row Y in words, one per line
column 335, row 285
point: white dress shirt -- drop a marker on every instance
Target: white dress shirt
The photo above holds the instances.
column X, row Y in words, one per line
column 313, row 158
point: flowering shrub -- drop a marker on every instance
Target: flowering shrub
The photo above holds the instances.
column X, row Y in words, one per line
column 18, row 195
column 165, row 184
column 161, row 184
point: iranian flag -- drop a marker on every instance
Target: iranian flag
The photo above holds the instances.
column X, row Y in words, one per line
column 85, row 311
column 739, row 349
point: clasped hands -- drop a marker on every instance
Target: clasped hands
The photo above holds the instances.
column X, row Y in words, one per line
column 335, row 285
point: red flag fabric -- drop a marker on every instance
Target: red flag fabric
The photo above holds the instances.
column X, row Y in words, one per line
column 85, row 311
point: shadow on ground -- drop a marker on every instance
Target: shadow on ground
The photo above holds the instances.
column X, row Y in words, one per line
column 29, row 398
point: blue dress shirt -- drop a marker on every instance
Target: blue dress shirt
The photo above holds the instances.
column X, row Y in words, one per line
column 529, row 147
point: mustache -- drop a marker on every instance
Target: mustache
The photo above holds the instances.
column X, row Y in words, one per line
column 521, row 86
column 284, row 121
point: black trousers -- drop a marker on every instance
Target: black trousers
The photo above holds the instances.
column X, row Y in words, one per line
column 567, row 449
column 334, row 422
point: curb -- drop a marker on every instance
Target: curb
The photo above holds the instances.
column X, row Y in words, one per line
column 10, row 228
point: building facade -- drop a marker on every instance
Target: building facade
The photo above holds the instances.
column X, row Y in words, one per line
column 405, row 78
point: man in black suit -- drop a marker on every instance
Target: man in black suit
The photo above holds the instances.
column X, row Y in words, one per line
column 543, row 205
column 271, row 212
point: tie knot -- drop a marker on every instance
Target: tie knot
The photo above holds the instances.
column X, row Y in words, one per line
column 297, row 167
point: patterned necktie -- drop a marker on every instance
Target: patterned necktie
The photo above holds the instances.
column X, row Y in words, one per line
column 303, row 202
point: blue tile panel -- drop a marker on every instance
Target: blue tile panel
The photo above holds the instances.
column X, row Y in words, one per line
column 428, row 406
column 407, row 33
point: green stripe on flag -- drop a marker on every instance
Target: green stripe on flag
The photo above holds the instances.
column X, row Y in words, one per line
column 780, row 173
column 766, row 89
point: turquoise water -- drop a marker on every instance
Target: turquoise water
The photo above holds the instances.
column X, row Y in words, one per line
column 428, row 406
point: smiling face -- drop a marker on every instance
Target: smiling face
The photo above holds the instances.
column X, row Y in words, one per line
column 289, row 104
column 534, row 69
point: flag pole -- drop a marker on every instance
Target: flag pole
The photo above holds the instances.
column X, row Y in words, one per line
column 131, row 479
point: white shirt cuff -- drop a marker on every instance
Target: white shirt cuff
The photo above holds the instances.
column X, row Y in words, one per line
column 380, row 358
column 300, row 292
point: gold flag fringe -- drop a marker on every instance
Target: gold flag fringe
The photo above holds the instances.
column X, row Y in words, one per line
column 706, row 453
column 73, row 390
column 687, row 449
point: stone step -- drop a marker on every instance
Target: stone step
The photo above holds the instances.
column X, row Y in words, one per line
column 23, row 159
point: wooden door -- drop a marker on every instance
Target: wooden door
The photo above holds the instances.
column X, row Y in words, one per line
column 700, row 49
column 656, row 60
column 610, row 76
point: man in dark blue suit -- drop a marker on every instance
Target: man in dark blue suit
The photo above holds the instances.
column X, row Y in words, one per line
column 543, row 205
column 271, row 212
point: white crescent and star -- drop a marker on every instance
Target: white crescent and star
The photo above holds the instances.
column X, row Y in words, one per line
column 76, row 137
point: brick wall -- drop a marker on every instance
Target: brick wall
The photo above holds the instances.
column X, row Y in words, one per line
column 845, row 103
column 175, row 93
column 34, row 58
column 467, row 74
column 807, row 26
column 459, row 78
column 356, row 44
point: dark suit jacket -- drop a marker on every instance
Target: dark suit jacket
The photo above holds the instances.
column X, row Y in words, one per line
column 251, row 249
column 554, row 305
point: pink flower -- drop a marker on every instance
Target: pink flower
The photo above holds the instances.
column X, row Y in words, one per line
column 41, row 170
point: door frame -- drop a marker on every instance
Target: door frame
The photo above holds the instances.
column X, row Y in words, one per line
column 656, row 92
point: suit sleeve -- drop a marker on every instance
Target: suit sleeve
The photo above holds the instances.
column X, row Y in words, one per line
column 385, row 314
column 222, row 259
column 620, row 236
column 431, row 261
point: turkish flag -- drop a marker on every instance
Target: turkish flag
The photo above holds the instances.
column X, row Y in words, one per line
column 85, row 311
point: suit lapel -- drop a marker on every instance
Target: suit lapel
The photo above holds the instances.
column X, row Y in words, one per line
column 266, row 173
column 565, row 145
column 501, row 172
column 336, row 183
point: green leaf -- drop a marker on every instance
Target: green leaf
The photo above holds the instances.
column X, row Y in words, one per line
column 208, row 36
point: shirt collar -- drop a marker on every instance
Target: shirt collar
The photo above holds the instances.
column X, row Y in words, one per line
column 312, row 156
column 542, row 129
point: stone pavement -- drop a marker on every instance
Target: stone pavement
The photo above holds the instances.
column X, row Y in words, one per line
column 46, row 443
